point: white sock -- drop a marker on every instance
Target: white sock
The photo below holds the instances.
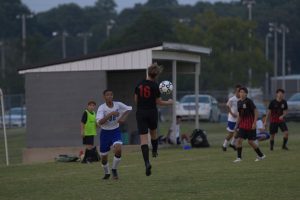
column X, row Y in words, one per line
column 116, row 162
column 106, row 168
column 232, row 141
column 225, row 143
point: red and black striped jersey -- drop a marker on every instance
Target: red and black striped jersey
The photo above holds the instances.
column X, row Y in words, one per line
column 246, row 110
column 277, row 108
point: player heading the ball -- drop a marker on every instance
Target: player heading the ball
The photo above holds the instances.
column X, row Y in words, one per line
column 147, row 97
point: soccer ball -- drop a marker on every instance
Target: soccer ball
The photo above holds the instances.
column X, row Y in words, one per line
column 166, row 87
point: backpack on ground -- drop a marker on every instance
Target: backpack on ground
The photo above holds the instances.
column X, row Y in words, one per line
column 199, row 139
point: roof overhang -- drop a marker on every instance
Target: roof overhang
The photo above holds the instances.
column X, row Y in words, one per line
column 126, row 59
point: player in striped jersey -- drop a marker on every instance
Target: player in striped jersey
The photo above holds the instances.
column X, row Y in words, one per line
column 246, row 124
column 277, row 111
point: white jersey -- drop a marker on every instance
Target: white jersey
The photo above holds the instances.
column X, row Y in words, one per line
column 232, row 104
column 104, row 110
column 259, row 125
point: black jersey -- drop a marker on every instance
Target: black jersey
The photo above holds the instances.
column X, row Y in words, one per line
column 147, row 92
column 246, row 109
column 277, row 108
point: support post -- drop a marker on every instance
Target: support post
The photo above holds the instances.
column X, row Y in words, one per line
column 197, row 74
column 174, row 93
column 4, row 127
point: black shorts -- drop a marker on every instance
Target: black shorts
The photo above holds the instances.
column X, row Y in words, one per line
column 247, row 134
column 146, row 119
column 274, row 127
column 88, row 140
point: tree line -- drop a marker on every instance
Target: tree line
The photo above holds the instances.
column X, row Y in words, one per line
column 223, row 26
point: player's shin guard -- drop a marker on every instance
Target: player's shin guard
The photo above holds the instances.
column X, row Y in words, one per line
column 105, row 166
column 233, row 141
column 259, row 153
column 225, row 143
column 145, row 151
column 116, row 161
column 239, row 152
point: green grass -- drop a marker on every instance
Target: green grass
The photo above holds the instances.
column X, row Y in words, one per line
column 177, row 174
column 15, row 143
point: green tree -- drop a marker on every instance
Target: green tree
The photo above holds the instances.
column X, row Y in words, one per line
column 149, row 27
column 231, row 58
column 161, row 3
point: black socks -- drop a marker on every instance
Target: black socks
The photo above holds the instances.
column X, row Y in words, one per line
column 271, row 145
column 239, row 152
column 259, row 153
column 154, row 145
column 285, row 140
column 145, row 151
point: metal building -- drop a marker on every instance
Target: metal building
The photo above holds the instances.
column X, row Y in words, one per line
column 290, row 83
column 56, row 94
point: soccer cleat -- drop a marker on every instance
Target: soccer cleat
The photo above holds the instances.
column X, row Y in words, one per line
column 285, row 148
column 260, row 158
column 148, row 169
column 237, row 160
column 224, row 148
column 154, row 154
column 106, row 176
column 232, row 146
column 114, row 174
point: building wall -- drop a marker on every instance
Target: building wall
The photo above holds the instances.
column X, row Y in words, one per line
column 291, row 87
column 123, row 83
column 55, row 102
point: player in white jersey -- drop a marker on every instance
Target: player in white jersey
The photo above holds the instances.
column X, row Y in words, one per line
column 109, row 115
column 232, row 119
column 261, row 132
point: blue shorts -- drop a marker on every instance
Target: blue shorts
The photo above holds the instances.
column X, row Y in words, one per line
column 262, row 135
column 108, row 138
column 231, row 126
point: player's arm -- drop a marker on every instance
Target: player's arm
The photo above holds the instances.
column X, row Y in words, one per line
column 101, row 118
column 267, row 117
column 237, row 122
column 268, row 112
column 82, row 126
column 125, row 114
column 228, row 106
column 161, row 102
column 255, row 118
column 285, row 111
column 229, row 111
column 107, row 117
column 82, row 123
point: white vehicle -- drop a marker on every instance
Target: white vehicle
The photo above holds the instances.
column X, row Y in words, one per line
column 15, row 117
column 293, row 107
column 208, row 108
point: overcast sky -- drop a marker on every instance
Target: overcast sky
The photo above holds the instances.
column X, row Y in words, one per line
column 43, row 5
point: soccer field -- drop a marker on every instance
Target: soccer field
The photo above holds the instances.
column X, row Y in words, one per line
column 177, row 174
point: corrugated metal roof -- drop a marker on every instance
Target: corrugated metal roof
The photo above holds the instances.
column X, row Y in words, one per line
column 139, row 57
